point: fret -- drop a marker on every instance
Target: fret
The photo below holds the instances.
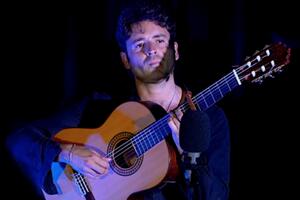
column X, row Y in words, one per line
column 156, row 139
column 203, row 102
column 147, row 141
column 140, row 147
column 159, row 136
column 232, row 84
column 209, row 101
column 160, row 129
column 212, row 95
column 197, row 105
column 209, row 98
column 228, row 86
column 166, row 130
column 225, row 88
column 137, row 151
column 151, row 139
column 151, row 136
column 217, row 93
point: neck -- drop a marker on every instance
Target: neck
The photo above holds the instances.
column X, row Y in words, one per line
column 165, row 93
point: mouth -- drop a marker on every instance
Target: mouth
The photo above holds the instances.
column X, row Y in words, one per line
column 154, row 64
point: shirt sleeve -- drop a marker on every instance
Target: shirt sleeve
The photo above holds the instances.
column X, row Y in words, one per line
column 33, row 148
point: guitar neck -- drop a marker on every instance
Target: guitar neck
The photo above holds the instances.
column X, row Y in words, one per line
column 152, row 135
column 213, row 93
column 262, row 64
column 159, row 130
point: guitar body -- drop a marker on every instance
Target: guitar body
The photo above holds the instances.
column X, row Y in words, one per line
column 128, row 174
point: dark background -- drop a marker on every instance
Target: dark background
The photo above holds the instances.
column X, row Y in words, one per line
column 54, row 53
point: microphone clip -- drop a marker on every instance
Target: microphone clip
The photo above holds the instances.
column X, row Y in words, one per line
column 190, row 158
column 190, row 163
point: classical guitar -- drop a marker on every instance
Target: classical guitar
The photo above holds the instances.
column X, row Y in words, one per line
column 135, row 138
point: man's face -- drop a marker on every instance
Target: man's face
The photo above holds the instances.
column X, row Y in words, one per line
column 147, row 47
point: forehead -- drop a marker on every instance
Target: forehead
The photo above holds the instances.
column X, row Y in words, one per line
column 148, row 28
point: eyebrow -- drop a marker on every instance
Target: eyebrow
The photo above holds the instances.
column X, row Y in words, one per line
column 155, row 36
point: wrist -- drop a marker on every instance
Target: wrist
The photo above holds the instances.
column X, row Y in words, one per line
column 66, row 153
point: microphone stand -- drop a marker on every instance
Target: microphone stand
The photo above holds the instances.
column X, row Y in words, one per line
column 190, row 178
column 190, row 159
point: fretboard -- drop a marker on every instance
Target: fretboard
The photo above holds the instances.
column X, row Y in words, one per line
column 213, row 93
column 159, row 130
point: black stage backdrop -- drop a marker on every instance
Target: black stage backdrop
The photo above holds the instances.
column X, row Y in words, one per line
column 56, row 52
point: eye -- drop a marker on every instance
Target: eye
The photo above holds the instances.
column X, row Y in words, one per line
column 160, row 41
column 138, row 45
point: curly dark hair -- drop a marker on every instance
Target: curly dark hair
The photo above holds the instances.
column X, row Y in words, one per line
column 142, row 11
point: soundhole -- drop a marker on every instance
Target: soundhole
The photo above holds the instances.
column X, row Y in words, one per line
column 125, row 161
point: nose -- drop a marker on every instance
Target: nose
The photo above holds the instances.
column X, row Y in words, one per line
column 151, row 52
column 150, row 49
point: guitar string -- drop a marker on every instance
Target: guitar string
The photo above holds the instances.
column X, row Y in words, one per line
column 183, row 105
column 137, row 139
column 239, row 70
column 142, row 136
column 230, row 80
column 210, row 91
column 117, row 152
column 145, row 134
column 197, row 97
column 121, row 147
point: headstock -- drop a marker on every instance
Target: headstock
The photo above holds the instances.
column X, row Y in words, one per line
column 264, row 63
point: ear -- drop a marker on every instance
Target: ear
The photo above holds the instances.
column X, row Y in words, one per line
column 125, row 60
column 176, row 50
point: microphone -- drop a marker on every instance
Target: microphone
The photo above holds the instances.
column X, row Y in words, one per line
column 194, row 138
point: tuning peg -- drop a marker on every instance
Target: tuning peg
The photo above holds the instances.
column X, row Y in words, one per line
column 247, row 58
column 271, row 76
column 256, row 52
column 279, row 70
column 266, row 46
column 258, row 80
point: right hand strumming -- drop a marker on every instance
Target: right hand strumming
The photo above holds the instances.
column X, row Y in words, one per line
column 84, row 160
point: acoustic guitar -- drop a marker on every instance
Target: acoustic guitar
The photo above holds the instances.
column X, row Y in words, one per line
column 135, row 138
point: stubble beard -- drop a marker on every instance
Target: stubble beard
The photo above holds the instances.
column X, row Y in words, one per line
column 163, row 71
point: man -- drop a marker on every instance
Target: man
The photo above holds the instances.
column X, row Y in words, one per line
column 146, row 36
